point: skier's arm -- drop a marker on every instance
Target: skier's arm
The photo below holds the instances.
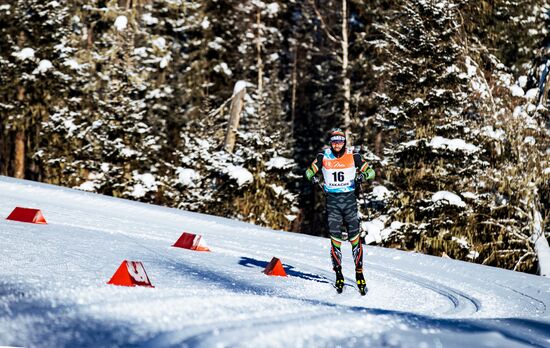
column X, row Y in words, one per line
column 314, row 167
column 364, row 169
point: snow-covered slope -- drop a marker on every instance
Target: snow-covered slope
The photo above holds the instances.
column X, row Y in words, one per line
column 53, row 289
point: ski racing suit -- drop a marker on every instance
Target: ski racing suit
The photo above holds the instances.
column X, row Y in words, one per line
column 339, row 174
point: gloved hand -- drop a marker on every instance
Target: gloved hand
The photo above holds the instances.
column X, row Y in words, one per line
column 360, row 178
column 314, row 180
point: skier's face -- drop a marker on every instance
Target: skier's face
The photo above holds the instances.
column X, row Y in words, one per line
column 337, row 145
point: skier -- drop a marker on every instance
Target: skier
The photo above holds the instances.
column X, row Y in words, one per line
column 342, row 170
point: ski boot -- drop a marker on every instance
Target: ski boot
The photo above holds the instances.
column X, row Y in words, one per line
column 339, row 285
column 361, row 284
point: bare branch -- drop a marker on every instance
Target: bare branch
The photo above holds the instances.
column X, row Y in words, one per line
column 521, row 259
column 323, row 25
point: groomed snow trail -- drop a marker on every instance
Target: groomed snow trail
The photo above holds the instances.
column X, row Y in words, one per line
column 53, row 289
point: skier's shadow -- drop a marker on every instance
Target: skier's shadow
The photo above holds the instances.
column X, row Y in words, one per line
column 250, row 262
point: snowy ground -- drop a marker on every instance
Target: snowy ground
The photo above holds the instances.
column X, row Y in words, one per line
column 53, row 289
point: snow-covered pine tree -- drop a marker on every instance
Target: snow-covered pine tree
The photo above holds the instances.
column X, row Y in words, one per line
column 106, row 140
column 248, row 183
column 32, row 51
column 446, row 102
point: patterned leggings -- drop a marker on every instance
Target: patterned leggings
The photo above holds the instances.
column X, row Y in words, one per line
column 356, row 248
column 342, row 212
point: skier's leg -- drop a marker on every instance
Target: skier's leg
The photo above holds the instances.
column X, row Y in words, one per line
column 357, row 250
column 334, row 215
column 336, row 257
column 352, row 219
column 336, row 252
column 334, row 222
column 351, row 216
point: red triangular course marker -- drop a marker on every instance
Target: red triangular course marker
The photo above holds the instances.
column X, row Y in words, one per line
column 192, row 242
column 33, row 216
column 130, row 273
column 275, row 268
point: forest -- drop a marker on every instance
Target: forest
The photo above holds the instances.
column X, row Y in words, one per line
column 219, row 107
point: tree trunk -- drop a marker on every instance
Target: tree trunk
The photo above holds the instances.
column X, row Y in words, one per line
column 19, row 158
column 259, row 54
column 294, row 82
column 19, row 154
column 345, row 79
column 541, row 244
column 260, row 64
column 234, row 118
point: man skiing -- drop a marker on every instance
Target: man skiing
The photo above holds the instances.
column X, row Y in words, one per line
column 342, row 169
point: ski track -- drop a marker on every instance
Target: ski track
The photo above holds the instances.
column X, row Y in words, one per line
column 406, row 305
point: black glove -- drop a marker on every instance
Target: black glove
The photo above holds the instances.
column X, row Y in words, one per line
column 314, row 180
column 360, row 178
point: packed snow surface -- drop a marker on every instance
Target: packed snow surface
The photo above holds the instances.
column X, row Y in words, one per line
column 54, row 291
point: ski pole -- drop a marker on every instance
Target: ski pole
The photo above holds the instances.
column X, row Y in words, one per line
column 362, row 196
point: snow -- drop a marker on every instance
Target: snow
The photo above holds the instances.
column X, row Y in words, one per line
column 187, row 176
column 241, row 174
column 165, row 60
column 529, row 140
column 373, row 230
column 472, row 255
column 127, row 152
column 205, row 24
column 278, row 190
column 159, row 43
column 532, row 94
column 273, row 8
column 87, row 186
column 240, row 85
column 216, row 44
column 498, row 134
column 290, row 217
column 447, row 197
column 394, row 110
column 53, row 289
column 469, row 195
column 380, row 193
column 452, row 69
column 522, row 81
column 121, row 22
column 279, row 162
column 224, row 68
column 71, row 63
column 462, row 241
column 517, row 91
column 144, row 183
column 43, row 67
column 24, row 54
column 471, row 67
column 411, row 143
column 148, row 19
column 452, row 145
